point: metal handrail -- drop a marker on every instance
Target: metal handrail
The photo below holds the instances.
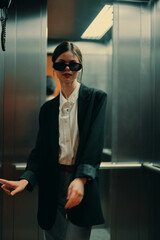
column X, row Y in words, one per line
column 109, row 165
column 107, row 151
column 103, row 165
column 20, row 166
column 151, row 167
column 119, row 165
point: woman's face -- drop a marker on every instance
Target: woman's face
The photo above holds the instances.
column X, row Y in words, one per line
column 67, row 76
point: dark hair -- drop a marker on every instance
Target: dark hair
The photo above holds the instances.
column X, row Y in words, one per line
column 64, row 47
column 50, row 85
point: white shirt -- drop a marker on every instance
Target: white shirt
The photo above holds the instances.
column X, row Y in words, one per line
column 68, row 127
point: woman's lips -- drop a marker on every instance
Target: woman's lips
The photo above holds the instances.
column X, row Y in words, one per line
column 67, row 74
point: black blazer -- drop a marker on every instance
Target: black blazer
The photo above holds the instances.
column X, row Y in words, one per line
column 42, row 164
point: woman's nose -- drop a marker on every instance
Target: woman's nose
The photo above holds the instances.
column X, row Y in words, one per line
column 67, row 68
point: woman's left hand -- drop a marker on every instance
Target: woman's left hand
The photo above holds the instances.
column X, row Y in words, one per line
column 75, row 192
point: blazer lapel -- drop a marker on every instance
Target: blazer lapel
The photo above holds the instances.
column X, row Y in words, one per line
column 53, row 116
column 82, row 105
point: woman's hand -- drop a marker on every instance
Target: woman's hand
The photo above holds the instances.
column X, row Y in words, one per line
column 13, row 187
column 75, row 192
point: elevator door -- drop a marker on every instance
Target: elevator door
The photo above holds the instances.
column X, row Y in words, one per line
column 22, row 92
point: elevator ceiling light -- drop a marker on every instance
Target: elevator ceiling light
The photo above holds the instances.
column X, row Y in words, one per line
column 100, row 25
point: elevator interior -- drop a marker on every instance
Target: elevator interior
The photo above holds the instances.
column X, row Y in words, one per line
column 125, row 64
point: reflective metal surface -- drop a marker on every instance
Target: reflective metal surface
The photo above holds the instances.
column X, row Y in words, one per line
column 131, row 109
column 23, row 75
column 120, row 165
column 135, row 114
column 1, row 131
column 135, row 193
column 152, row 167
column 155, row 76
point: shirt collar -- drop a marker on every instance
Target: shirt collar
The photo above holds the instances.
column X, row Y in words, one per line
column 72, row 98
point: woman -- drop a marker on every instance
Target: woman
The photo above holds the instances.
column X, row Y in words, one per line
column 66, row 157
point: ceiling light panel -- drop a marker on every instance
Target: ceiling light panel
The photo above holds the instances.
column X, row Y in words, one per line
column 100, row 25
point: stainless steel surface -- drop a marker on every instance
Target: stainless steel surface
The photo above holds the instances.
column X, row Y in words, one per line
column 1, row 131
column 103, row 165
column 131, row 98
column 135, row 194
column 155, row 76
column 152, row 167
column 120, row 165
column 24, row 75
column 20, row 166
column 107, row 151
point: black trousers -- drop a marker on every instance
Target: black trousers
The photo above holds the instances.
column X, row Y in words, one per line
column 63, row 229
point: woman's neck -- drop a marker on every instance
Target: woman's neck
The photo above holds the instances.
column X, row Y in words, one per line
column 67, row 89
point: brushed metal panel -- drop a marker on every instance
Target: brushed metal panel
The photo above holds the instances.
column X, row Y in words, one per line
column 1, row 131
column 25, row 214
column 127, row 84
column 129, row 205
column 155, row 76
column 24, row 92
column 131, row 83
column 146, row 124
column 8, row 134
column 135, row 119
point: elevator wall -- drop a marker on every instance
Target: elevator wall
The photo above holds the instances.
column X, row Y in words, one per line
column 132, row 98
column 155, row 76
column 22, row 92
column 1, row 130
column 134, row 193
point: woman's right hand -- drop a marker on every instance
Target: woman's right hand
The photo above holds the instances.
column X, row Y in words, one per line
column 13, row 187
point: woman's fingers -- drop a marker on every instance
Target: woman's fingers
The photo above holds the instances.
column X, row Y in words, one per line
column 6, row 189
column 9, row 184
column 75, row 193
column 69, row 191
column 72, row 202
column 17, row 190
column 13, row 187
column 3, row 181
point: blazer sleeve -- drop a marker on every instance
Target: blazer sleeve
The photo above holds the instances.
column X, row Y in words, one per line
column 92, row 152
column 32, row 169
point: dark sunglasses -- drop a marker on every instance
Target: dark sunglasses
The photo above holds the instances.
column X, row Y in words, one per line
column 61, row 66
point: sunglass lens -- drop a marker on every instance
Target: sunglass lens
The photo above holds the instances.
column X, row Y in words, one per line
column 75, row 66
column 59, row 66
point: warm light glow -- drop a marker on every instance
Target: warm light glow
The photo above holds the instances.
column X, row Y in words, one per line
column 100, row 25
